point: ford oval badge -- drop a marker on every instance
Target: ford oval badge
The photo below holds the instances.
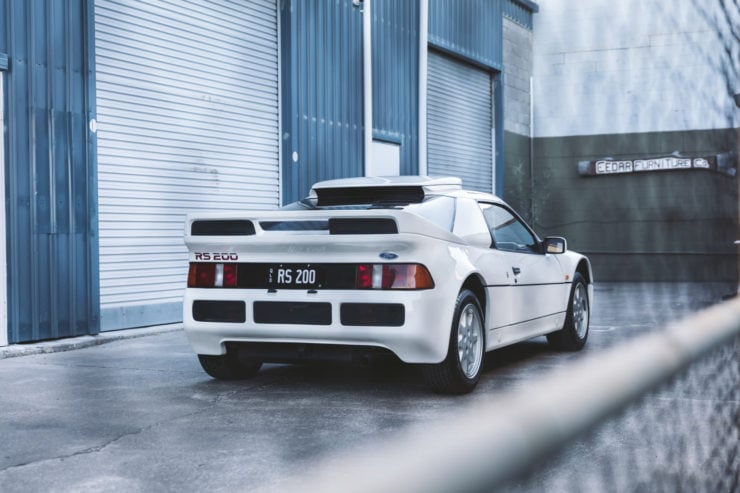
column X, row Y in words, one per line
column 388, row 255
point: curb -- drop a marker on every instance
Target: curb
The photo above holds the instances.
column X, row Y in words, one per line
column 57, row 346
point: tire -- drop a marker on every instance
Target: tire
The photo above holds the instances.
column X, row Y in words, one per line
column 229, row 367
column 573, row 335
column 460, row 371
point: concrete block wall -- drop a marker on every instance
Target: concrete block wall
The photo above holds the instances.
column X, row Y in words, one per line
column 517, row 46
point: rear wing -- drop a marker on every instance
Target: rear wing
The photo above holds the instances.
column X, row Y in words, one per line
column 269, row 226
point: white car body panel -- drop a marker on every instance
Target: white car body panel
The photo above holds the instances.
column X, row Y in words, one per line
column 517, row 306
column 423, row 338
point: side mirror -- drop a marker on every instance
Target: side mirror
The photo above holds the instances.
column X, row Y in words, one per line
column 555, row 245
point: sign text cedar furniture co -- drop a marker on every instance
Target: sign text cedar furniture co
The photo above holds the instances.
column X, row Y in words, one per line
column 723, row 163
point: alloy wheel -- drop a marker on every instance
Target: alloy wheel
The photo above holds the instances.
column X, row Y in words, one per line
column 470, row 341
column 580, row 311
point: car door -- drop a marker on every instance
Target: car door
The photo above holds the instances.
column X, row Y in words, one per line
column 471, row 226
column 536, row 279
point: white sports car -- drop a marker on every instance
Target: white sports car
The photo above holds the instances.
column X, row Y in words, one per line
column 411, row 265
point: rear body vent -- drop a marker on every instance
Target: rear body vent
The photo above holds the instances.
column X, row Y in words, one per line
column 372, row 226
column 294, row 225
column 222, row 228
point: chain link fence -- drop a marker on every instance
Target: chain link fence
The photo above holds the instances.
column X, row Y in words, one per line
column 682, row 437
column 660, row 413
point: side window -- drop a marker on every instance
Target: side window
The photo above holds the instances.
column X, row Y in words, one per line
column 508, row 232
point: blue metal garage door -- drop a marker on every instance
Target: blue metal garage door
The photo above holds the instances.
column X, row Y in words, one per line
column 460, row 121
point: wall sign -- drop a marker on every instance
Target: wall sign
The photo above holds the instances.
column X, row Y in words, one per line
column 725, row 163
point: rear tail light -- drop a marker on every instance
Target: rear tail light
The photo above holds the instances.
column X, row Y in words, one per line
column 230, row 275
column 393, row 276
column 367, row 276
column 202, row 275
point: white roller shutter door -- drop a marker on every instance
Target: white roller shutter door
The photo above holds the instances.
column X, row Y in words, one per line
column 459, row 122
column 187, row 108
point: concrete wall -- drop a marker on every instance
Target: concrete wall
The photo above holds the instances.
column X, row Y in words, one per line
column 628, row 80
column 517, row 56
column 605, row 67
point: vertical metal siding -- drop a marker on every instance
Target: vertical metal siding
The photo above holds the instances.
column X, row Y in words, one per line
column 519, row 12
column 471, row 29
column 188, row 121
column 395, row 39
column 3, row 229
column 459, row 121
column 322, row 91
column 52, row 250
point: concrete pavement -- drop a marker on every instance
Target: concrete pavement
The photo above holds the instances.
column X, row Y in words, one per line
column 139, row 414
column 82, row 342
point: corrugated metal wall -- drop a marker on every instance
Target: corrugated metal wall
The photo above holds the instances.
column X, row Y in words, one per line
column 188, row 121
column 395, row 39
column 470, row 29
column 520, row 11
column 323, row 88
column 321, row 94
column 51, row 187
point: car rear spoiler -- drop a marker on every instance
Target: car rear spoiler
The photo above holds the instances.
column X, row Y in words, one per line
column 268, row 225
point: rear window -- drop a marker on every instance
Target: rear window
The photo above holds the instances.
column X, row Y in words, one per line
column 438, row 209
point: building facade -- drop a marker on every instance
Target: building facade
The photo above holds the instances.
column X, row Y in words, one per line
column 636, row 136
column 121, row 116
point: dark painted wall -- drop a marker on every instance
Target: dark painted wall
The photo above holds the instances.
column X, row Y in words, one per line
column 517, row 172
column 51, row 187
column 655, row 226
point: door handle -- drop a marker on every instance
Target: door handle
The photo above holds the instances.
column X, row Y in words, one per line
column 516, row 270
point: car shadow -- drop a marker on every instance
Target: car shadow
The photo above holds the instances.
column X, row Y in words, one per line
column 387, row 376
column 515, row 354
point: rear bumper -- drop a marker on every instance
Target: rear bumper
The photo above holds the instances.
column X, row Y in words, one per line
column 414, row 325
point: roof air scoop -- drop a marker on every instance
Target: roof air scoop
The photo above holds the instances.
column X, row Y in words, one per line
column 390, row 189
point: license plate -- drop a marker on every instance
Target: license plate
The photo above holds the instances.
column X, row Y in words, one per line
column 294, row 276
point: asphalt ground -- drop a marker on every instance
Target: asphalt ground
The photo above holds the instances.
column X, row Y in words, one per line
column 133, row 411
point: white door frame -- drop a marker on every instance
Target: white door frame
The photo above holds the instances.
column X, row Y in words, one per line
column 3, row 258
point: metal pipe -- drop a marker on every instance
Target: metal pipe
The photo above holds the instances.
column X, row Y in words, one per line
column 531, row 150
column 3, row 253
column 367, row 84
column 423, row 60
